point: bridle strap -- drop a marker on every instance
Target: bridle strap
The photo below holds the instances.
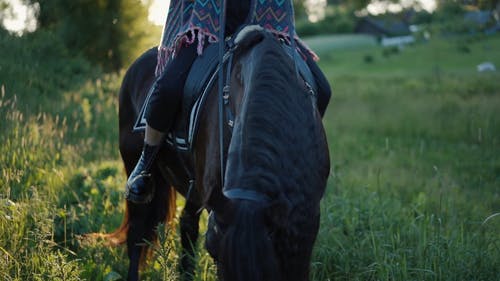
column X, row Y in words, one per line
column 246, row 194
column 222, row 25
column 227, row 88
column 293, row 44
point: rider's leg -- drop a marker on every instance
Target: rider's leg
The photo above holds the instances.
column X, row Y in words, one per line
column 324, row 90
column 160, row 112
column 152, row 136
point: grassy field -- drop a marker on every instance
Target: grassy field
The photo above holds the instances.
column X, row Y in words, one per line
column 415, row 144
column 414, row 192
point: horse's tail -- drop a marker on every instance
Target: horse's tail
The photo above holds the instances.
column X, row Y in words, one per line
column 247, row 245
column 140, row 222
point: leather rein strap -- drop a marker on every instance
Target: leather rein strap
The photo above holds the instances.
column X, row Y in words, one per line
column 222, row 22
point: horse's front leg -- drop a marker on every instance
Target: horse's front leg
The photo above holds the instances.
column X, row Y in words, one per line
column 135, row 238
column 189, row 227
column 134, row 255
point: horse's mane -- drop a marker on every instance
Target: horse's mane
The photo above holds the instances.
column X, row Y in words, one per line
column 278, row 134
column 278, row 148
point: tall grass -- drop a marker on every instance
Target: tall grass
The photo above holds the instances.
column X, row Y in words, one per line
column 57, row 132
column 414, row 139
column 416, row 168
column 30, row 174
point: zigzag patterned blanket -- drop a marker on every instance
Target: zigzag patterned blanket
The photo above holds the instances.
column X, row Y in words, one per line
column 188, row 20
column 277, row 17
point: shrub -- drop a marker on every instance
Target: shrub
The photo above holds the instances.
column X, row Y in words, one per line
column 338, row 23
column 368, row 59
column 389, row 51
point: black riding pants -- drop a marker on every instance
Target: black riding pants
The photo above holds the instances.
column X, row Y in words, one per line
column 165, row 101
column 324, row 90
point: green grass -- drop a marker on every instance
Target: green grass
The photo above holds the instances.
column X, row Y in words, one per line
column 433, row 59
column 414, row 136
column 323, row 44
column 416, row 165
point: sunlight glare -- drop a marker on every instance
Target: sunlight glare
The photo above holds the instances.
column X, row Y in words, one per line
column 158, row 11
column 382, row 6
column 315, row 9
column 21, row 18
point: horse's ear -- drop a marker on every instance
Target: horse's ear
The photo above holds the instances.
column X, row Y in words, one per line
column 249, row 36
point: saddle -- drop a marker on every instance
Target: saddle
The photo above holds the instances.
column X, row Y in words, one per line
column 199, row 83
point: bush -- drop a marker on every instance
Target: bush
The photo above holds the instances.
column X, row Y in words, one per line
column 462, row 48
column 423, row 17
column 389, row 51
column 306, row 28
column 449, row 10
column 338, row 23
column 368, row 59
column 38, row 67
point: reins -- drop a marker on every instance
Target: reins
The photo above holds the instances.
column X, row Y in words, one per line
column 224, row 85
column 222, row 24
column 293, row 44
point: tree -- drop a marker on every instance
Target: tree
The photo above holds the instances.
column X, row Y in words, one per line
column 352, row 4
column 481, row 4
column 488, row 4
column 108, row 32
column 299, row 9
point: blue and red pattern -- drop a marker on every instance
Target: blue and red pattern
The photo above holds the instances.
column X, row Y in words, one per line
column 189, row 20
column 277, row 17
column 273, row 15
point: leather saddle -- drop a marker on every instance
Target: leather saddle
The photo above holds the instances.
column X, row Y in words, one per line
column 199, row 83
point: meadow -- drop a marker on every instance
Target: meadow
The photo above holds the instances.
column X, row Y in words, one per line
column 414, row 191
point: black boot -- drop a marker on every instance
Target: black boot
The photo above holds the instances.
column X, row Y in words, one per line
column 140, row 186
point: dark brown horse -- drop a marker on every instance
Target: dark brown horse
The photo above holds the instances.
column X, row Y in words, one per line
column 265, row 216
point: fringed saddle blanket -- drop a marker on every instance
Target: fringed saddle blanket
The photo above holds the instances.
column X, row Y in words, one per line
column 188, row 20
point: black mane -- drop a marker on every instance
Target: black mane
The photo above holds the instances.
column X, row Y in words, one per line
column 278, row 150
column 276, row 116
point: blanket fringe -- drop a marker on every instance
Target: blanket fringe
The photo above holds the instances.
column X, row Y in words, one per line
column 284, row 35
column 165, row 54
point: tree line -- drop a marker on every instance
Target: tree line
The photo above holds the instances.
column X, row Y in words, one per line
column 111, row 33
column 107, row 32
